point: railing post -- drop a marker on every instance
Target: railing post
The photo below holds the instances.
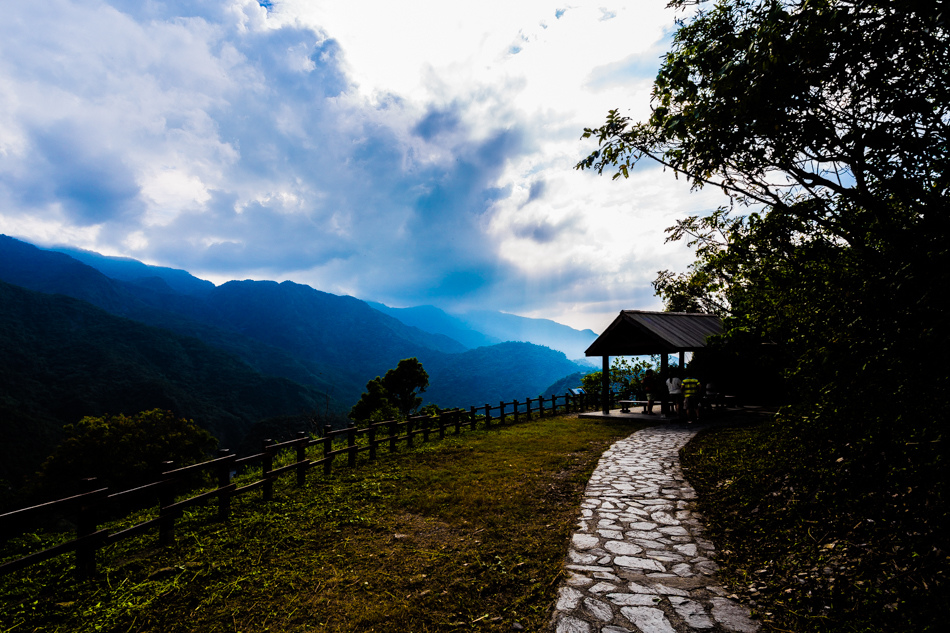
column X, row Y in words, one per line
column 442, row 425
column 327, row 449
column 371, row 433
column 301, row 458
column 472, row 417
column 409, row 439
column 267, row 465
column 457, row 420
column 553, row 405
column 514, row 403
column 527, row 403
column 86, row 523
column 224, row 480
column 487, row 416
column 351, row 445
column 426, row 423
column 392, row 435
column 540, row 406
column 166, row 497
column 501, row 412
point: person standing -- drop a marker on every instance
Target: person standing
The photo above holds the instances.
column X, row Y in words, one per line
column 650, row 387
column 692, row 390
column 675, row 388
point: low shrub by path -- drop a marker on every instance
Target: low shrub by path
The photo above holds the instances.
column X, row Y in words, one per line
column 468, row 533
column 821, row 532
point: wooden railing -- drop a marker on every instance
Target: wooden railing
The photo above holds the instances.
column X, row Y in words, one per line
column 90, row 508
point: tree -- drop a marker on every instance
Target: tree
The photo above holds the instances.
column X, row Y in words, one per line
column 840, row 104
column 830, row 118
column 374, row 404
column 826, row 122
column 394, row 394
column 123, row 451
column 625, row 376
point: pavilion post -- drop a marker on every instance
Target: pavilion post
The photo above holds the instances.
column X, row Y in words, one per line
column 605, row 386
column 664, row 369
column 682, row 361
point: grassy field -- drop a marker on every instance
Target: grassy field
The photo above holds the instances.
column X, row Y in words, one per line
column 464, row 534
column 469, row 534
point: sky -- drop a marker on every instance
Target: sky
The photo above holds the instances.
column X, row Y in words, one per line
column 407, row 152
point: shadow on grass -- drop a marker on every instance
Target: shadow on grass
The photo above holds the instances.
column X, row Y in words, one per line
column 818, row 532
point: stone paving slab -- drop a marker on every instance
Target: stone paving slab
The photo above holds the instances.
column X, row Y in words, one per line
column 638, row 560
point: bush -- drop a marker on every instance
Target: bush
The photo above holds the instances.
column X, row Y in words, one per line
column 122, row 451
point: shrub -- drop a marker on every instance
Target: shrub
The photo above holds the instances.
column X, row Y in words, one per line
column 123, row 451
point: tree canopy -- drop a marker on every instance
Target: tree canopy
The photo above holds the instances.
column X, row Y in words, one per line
column 626, row 376
column 394, row 394
column 835, row 112
column 123, row 451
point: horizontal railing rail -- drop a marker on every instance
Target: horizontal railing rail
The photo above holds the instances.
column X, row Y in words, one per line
column 90, row 508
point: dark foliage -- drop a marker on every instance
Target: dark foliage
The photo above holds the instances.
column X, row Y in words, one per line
column 122, row 452
column 562, row 386
column 285, row 427
column 832, row 118
column 823, row 533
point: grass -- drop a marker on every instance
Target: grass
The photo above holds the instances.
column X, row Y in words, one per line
column 464, row 534
column 823, row 534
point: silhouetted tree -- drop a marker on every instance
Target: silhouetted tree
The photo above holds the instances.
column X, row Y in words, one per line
column 394, row 394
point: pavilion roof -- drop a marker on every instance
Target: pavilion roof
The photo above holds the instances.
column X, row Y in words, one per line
column 638, row 332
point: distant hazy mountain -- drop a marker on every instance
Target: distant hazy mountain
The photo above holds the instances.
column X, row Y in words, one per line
column 510, row 327
column 342, row 332
column 62, row 359
column 432, row 319
column 126, row 269
column 476, row 329
column 506, row 371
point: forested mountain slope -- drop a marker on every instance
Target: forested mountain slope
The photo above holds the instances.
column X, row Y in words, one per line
column 63, row 359
column 333, row 344
column 326, row 341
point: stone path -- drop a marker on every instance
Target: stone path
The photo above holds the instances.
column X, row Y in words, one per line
column 638, row 560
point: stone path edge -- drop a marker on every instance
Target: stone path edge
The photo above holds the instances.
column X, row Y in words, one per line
column 638, row 560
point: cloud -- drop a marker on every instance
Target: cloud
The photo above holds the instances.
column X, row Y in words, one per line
column 436, row 122
column 396, row 152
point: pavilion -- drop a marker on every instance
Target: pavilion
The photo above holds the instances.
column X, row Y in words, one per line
column 642, row 333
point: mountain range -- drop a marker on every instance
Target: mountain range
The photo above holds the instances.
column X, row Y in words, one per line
column 483, row 327
column 158, row 333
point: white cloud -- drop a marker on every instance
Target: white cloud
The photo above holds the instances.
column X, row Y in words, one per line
column 409, row 152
